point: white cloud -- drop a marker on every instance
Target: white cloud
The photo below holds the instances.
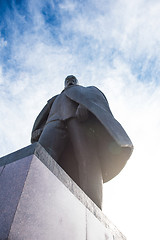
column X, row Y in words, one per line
column 3, row 43
column 68, row 6
column 130, row 27
column 1, row 76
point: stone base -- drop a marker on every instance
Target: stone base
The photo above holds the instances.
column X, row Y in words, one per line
column 39, row 201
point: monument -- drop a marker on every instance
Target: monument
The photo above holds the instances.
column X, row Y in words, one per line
column 52, row 189
column 78, row 129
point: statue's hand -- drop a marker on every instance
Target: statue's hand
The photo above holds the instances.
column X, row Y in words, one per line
column 35, row 135
column 82, row 113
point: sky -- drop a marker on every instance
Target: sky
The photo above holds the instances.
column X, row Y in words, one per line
column 113, row 45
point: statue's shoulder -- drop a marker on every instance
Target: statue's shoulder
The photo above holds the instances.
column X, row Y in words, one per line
column 97, row 91
column 93, row 88
column 90, row 91
column 88, row 88
column 51, row 100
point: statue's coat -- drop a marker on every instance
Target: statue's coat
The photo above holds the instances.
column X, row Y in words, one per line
column 115, row 147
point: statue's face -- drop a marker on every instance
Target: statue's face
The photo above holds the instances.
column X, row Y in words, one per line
column 70, row 80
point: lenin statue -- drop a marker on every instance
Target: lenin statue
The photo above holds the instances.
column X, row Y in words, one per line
column 78, row 129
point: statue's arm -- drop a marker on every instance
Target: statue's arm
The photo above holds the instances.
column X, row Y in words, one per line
column 36, row 135
column 41, row 120
column 39, row 123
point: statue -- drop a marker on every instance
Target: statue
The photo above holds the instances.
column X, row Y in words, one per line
column 79, row 131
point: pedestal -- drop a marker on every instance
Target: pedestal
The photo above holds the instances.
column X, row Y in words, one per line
column 39, row 201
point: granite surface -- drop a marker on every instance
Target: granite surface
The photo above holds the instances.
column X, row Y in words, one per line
column 19, row 154
column 12, row 180
column 47, row 209
column 40, row 201
column 100, row 232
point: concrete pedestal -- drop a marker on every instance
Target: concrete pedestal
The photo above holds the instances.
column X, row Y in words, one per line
column 39, row 201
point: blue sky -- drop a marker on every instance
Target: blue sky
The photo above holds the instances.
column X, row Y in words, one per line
column 91, row 30
column 114, row 45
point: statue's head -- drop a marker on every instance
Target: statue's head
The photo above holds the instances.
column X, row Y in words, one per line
column 70, row 80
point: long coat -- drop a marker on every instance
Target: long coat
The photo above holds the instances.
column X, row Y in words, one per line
column 114, row 145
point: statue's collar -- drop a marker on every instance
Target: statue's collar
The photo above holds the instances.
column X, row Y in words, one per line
column 68, row 87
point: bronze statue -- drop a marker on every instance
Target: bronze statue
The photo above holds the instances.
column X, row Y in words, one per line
column 79, row 131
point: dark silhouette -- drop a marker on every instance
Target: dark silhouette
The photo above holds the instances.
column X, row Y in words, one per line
column 79, row 131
